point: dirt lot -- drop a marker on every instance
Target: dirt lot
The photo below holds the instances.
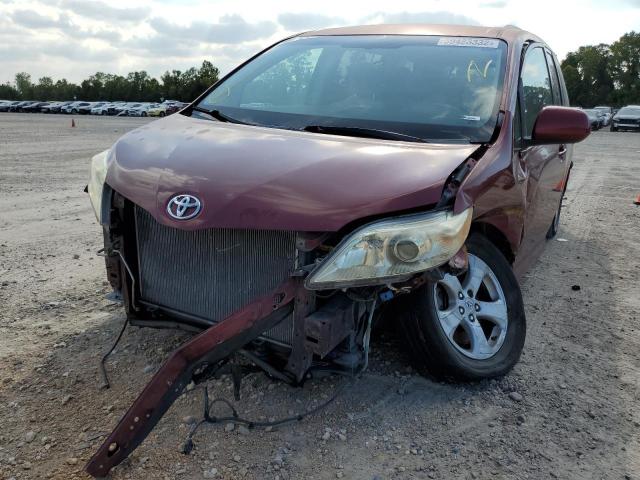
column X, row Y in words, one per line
column 569, row 410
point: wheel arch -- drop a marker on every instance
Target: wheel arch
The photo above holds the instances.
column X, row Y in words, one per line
column 496, row 237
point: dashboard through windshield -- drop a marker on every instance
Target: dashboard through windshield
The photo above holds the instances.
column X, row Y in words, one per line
column 439, row 89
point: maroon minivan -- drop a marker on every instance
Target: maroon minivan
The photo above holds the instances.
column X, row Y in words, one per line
column 341, row 176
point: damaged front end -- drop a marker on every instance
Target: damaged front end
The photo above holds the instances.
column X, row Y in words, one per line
column 294, row 299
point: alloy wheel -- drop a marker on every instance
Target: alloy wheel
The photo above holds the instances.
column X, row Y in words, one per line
column 472, row 310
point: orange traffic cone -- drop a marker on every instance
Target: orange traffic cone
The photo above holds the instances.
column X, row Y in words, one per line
column 73, row 123
column 637, row 200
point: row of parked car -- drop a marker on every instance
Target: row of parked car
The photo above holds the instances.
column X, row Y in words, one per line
column 130, row 109
column 626, row 118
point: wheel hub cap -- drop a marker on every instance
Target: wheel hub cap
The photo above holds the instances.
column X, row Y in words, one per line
column 472, row 310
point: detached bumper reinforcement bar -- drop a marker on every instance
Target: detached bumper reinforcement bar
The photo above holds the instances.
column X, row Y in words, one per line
column 207, row 348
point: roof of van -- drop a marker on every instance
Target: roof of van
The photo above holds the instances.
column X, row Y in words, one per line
column 508, row 33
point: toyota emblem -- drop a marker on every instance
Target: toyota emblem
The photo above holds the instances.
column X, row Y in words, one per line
column 183, row 207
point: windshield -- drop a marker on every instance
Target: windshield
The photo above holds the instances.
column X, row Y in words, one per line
column 435, row 88
column 629, row 111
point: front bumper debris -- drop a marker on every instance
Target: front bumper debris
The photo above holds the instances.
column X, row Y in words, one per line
column 206, row 349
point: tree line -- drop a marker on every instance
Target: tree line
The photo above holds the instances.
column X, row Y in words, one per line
column 604, row 74
column 595, row 75
column 136, row 86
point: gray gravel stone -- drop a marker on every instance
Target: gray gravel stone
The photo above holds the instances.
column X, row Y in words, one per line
column 516, row 397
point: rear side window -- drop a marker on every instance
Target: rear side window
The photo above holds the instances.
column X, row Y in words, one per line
column 536, row 88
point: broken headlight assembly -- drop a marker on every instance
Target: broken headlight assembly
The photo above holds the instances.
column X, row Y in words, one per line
column 95, row 188
column 392, row 250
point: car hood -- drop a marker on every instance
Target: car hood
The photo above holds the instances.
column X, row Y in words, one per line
column 267, row 178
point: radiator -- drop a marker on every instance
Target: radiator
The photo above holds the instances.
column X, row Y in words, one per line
column 211, row 273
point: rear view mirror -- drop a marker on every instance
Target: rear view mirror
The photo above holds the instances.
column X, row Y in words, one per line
column 560, row 125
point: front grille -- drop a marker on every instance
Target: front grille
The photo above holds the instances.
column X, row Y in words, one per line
column 209, row 273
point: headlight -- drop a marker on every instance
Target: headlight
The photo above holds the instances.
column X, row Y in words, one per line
column 392, row 250
column 99, row 165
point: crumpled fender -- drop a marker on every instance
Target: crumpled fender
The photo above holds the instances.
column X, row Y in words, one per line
column 494, row 190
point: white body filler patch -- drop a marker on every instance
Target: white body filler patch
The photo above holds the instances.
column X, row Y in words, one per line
column 469, row 42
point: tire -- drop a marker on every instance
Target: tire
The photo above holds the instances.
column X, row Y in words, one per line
column 74, row 111
column 613, row 129
column 103, row 113
column 143, row 114
column 455, row 357
column 162, row 114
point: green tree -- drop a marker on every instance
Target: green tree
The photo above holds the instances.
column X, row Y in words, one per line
column 588, row 76
column 24, row 85
column 625, row 69
column 45, row 89
column 8, row 92
column 65, row 90
column 135, row 86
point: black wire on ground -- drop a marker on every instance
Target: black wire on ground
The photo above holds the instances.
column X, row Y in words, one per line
column 250, row 424
column 105, row 376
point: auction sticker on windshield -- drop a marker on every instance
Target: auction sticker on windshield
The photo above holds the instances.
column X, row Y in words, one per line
column 469, row 42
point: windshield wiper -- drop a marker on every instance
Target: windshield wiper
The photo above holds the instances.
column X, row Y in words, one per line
column 218, row 115
column 362, row 132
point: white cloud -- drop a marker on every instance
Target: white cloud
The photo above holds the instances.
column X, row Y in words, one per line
column 308, row 21
column 99, row 10
column 76, row 38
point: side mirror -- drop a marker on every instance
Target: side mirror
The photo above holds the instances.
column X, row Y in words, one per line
column 560, row 125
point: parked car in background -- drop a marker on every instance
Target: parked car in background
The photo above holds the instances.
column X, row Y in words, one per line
column 595, row 118
column 6, row 106
column 48, row 108
column 57, row 107
column 158, row 110
column 101, row 108
column 129, row 107
column 140, row 110
column 175, row 107
column 27, row 107
column 34, row 107
column 607, row 114
column 84, row 108
column 627, row 118
column 400, row 170
column 72, row 107
column 15, row 107
column 123, row 107
column 23, row 106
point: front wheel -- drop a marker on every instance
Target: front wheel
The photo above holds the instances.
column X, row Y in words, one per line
column 467, row 327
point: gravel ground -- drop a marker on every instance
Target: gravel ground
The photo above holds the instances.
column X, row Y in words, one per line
column 568, row 410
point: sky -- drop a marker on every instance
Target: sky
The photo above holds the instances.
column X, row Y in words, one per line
column 73, row 39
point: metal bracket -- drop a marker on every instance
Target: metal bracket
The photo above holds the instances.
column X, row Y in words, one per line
column 207, row 348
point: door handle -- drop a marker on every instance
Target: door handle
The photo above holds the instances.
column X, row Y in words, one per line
column 562, row 151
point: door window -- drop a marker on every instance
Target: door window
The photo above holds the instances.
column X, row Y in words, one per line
column 536, row 88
